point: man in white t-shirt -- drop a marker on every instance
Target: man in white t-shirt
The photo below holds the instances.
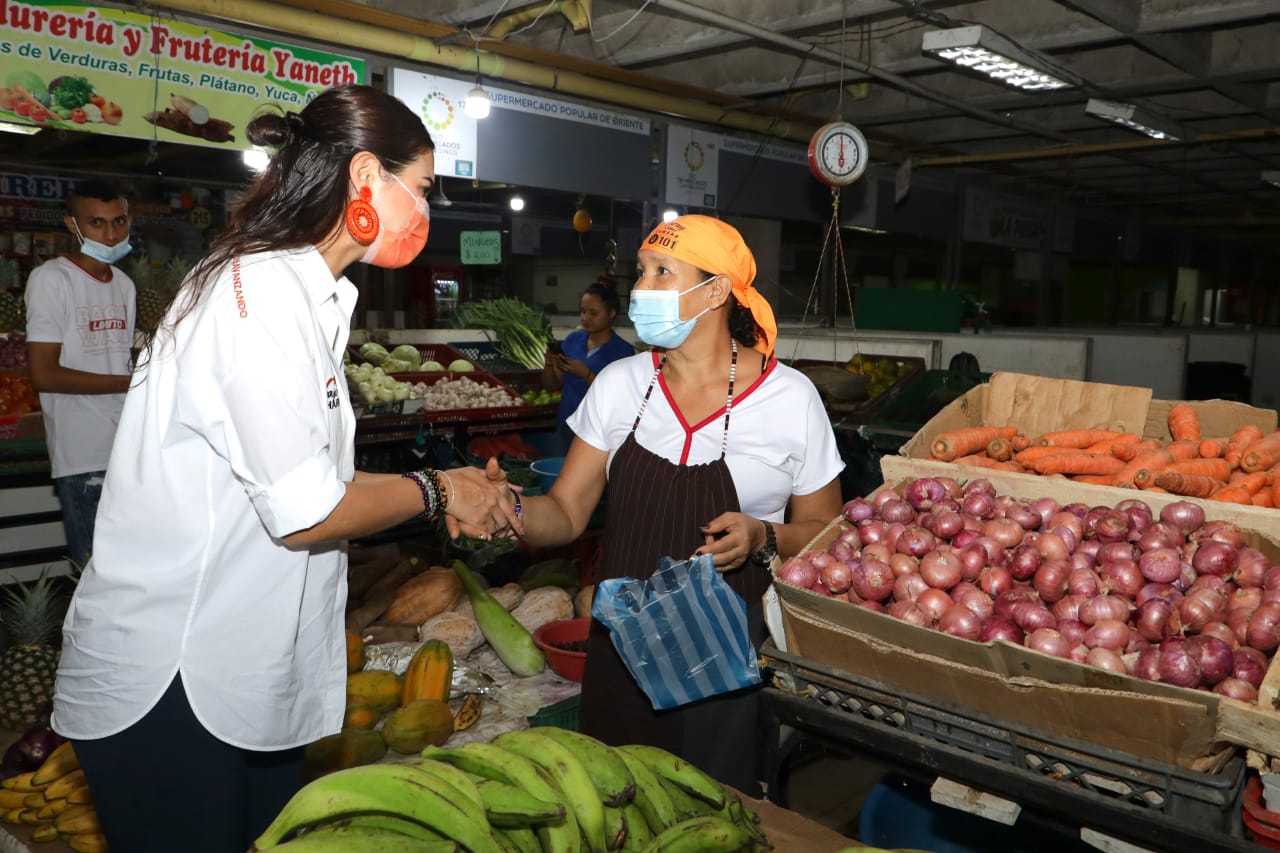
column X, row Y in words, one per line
column 80, row 318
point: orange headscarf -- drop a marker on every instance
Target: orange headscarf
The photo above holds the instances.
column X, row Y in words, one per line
column 718, row 248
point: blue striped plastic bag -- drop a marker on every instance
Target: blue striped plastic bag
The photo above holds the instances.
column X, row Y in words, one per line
column 682, row 633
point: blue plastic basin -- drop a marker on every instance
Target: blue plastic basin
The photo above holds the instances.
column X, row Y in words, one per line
column 547, row 470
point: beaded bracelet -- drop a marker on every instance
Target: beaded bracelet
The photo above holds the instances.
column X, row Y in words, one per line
column 430, row 489
column 445, row 485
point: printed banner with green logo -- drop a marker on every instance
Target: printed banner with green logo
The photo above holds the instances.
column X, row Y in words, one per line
column 103, row 70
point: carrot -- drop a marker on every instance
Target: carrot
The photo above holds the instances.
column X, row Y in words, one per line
column 1094, row 479
column 1077, row 438
column 1217, row 469
column 1130, row 452
column 1232, row 495
column 1156, row 459
column 1275, row 493
column 949, row 445
column 1033, row 454
column 1184, row 423
column 1239, row 442
column 1000, row 449
column 1251, row 483
column 1191, row 485
column 1078, row 462
column 1020, row 442
column 978, row 460
column 1144, row 476
column 1263, row 499
column 1158, row 490
column 1262, row 454
column 1104, row 446
column 1212, row 448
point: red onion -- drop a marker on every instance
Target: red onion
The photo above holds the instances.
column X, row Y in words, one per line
column 820, row 560
column 907, row 611
column 821, row 589
column 960, row 621
column 903, row 564
column 1084, row 583
column 1124, row 578
column 1224, row 532
column 1072, row 631
column 872, row 531
column 1077, row 509
column 1068, row 607
column 892, row 533
column 1103, row 608
column 1251, row 567
column 841, row 551
column 1249, row 665
column 858, row 509
column 977, row 601
column 837, row 576
column 1271, row 580
column 1163, row 565
column 1108, row 634
column 1050, row 642
column 973, row 560
column 1004, row 603
column 1263, row 631
column 1148, row 664
column 1139, row 515
column 877, row 606
column 1078, row 652
column 994, row 580
column 1222, row 631
column 1200, row 607
column 851, row 537
column 1068, row 537
column 1242, row 598
column 1051, row 579
column 1238, row 622
column 1107, row 659
column 1046, row 508
column 1006, row 532
column 916, row 541
column 1067, row 520
column 1113, row 526
column 1237, row 689
column 1160, row 535
column 979, row 505
column 1052, row 547
column 1168, row 592
column 1177, row 666
column 952, row 487
column 947, row 504
column 1136, row 641
column 878, row 551
column 941, row 569
column 966, row 536
column 922, row 492
column 1031, row 616
column 1025, row 516
column 798, row 572
column 1000, row 628
column 1183, row 515
column 948, row 524
column 1214, row 558
column 1024, row 561
column 979, row 486
column 1115, row 552
column 995, row 551
column 898, row 511
column 907, row 587
column 873, row 581
column 934, row 602
column 1213, row 655
column 1157, row 620
column 882, row 497
column 1081, row 559
column 1216, row 584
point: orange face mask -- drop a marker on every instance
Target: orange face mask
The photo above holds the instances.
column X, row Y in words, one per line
column 395, row 248
column 717, row 248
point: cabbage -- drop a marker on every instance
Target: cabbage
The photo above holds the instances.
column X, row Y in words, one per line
column 461, row 365
column 374, row 353
column 396, row 365
column 409, row 353
column 431, row 367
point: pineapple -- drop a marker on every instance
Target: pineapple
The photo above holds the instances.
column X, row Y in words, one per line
column 156, row 290
column 11, row 312
column 27, row 668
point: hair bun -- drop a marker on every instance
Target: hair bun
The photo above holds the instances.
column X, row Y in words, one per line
column 268, row 130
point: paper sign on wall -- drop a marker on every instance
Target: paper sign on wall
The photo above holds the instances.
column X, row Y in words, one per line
column 693, row 167
column 439, row 102
column 480, row 247
column 127, row 74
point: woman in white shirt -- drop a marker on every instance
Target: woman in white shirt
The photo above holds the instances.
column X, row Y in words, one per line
column 708, row 445
column 204, row 644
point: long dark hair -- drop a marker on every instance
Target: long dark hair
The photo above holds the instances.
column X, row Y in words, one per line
column 300, row 197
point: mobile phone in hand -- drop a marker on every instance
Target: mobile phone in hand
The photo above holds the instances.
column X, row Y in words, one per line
column 553, row 347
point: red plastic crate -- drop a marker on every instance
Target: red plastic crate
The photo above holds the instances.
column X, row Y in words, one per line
column 518, row 404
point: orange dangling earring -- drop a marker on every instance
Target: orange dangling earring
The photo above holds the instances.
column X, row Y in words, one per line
column 362, row 218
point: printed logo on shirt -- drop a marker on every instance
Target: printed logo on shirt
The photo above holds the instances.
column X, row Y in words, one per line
column 331, row 392
column 237, row 287
column 102, row 327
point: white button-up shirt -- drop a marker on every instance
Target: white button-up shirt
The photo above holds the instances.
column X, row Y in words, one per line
column 236, row 433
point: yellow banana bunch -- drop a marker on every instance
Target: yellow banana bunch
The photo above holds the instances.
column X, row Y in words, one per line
column 55, row 799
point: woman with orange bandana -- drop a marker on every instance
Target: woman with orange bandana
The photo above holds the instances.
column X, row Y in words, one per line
column 708, row 445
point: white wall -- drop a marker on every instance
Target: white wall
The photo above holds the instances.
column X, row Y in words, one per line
column 1150, row 361
column 1057, row 357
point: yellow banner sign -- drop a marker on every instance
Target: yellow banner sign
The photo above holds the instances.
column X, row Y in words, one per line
column 103, row 70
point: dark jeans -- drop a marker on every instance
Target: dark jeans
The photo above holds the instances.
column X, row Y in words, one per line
column 165, row 784
column 78, row 495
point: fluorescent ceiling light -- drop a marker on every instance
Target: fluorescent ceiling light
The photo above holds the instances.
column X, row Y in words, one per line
column 256, row 159
column 478, row 104
column 1272, row 177
column 979, row 49
column 15, row 127
column 1135, row 118
column 516, row 203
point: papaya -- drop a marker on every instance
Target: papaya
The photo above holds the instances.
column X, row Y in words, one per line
column 355, row 652
column 409, row 729
column 348, row 748
column 378, row 688
column 430, row 673
column 359, row 715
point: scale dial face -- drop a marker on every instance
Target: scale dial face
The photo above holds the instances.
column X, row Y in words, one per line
column 838, row 154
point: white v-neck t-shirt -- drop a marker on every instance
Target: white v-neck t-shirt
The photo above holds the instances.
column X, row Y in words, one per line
column 237, row 432
column 780, row 441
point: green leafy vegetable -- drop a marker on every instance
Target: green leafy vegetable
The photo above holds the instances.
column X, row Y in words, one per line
column 409, row 353
column 522, row 331
column 72, row 92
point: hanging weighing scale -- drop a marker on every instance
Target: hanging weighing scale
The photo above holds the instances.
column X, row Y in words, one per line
column 838, row 154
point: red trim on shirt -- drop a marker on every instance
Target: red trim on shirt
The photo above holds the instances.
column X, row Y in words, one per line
column 714, row 416
column 107, row 280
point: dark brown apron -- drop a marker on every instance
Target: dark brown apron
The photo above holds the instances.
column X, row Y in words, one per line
column 655, row 510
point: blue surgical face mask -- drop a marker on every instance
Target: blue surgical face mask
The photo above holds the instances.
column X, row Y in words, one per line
column 656, row 316
column 101, row 251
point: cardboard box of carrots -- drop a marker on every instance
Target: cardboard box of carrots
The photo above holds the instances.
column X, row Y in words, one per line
column 1112, row 437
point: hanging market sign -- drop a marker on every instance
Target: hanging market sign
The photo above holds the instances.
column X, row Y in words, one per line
column 693, row 167
column 102, row 70
column 481, row 247
column 439, row 101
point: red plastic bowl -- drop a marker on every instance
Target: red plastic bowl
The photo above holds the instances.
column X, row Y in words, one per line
column 564, row 663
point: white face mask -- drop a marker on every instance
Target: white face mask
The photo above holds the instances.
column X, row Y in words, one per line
column 101, row 251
